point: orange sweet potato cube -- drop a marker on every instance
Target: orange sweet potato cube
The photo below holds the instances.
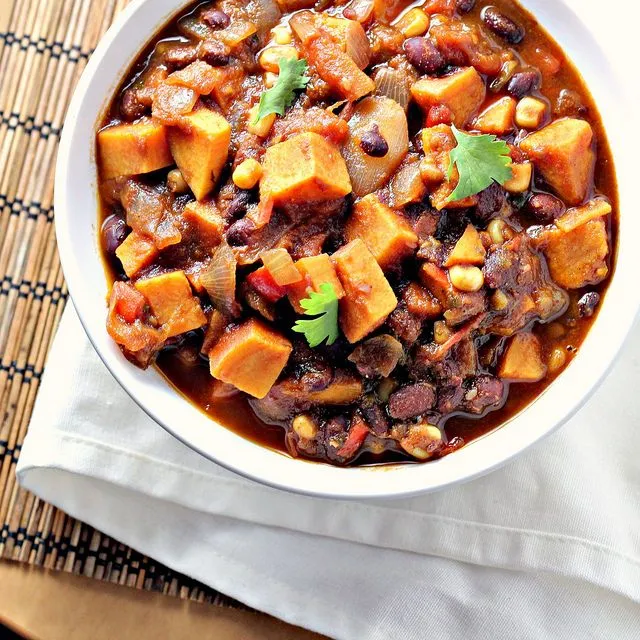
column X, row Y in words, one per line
column 133, row 149
column 205, row 221
column 563, row 154
column 369, row 298
column 522, row 361
column 304, row 168
column 497, row 118
column 201, row 151
column 468, row 250
column 250, row 357
column 172, row 302
column 135, row 253
column 315, row 271
column 386, row 233
column 463, row 92
column 577, row 258
column 421, row 302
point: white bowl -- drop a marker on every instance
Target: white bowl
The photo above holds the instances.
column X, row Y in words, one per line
column 76, row 217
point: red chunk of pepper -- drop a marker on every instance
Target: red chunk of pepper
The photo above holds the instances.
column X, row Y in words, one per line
column 262, row 281
column 357, row 434
column 129, row 302
column 439, row 114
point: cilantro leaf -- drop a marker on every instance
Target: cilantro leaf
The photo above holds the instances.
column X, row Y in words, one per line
column 325, row 327
column 480, row 160
column 292, row 78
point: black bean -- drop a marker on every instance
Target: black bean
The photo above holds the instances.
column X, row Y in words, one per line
column 485, row 391
column 523, row 83
column 114, row 231
column 214, row 53
column 544, row 207
column 216, row 18
column 464, row 6
column 238, row 206
column 490, row 202
column 588, row 303
column 376, row 419
column 502, row 25
column 424, row 55
column 239, row 232
column 373, row 144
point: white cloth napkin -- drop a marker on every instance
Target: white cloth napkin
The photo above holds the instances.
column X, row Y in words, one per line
column 548, row 547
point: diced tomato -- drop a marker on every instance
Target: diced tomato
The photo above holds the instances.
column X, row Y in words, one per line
column 356, row 437
column 129, row 302
column 262, row 281
column 445, row 7
column 439, row 114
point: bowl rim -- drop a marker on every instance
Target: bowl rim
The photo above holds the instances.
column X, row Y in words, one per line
column 313, row 478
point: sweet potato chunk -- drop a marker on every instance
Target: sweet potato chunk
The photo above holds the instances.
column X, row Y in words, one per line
column 463, row 92
column 563, row 154
column 172, row 303
column 468, row 250
column 135, row 253
column 522, row 361
column 369, row 298
column 578, row 258
column 250, row 357
column 315, row 270
column 497, row 118
column 304, row 168
column 205, row 221
column 201, row 153
column 573, row 218
column 421, row 302
column 199, row 76
column 133, row 149
column 386, row 233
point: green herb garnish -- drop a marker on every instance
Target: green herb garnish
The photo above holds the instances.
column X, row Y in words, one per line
column 325, row 327
column 292, row 78
column 480, row 160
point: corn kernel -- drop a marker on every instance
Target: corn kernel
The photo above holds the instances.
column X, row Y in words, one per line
column 466, row 278
column 304, row 426
column 421, row 433
column 282, row 34
column 271, row 56
column 496, row 230
column 176, row 182
column 521, row 179
column 270, row 79
column 247, row 174
column 263, row 126
column 557, row 359
column 530, row 113
column 413, row 23
column 441, row 333
column 499, row 300
column 555, row 330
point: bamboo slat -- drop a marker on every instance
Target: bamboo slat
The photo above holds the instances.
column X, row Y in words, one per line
column 44, row 46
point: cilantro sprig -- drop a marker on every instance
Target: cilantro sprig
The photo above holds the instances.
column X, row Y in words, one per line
column 480, row 160
column 324, row 305
column 292, row 78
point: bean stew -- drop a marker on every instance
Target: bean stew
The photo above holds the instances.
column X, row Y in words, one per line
column 355, row 232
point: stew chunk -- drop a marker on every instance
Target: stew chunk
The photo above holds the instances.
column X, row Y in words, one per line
column 250, row 357
column 369, row 298
column 201, row 152
column 562, row 152
column 305, row 168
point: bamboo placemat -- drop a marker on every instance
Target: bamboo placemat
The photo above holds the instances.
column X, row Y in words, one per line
column 44, row 46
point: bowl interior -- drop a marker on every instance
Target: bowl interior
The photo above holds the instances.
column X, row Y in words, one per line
column 76, row 223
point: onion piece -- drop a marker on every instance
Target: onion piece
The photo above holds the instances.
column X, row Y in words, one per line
column 407, row 185
column 360, row 10
column 191, row 27
column 219, row 280
column 280, row 265
column 264, row 13
column 236, row 32
column 393, row 84
column 368, row 173
column 356, row 42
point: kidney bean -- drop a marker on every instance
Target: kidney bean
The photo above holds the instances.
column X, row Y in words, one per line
column 424, row 55
column 523, row 83
column 439, row 114
column 464, row 6
column 114, row 231
column 216, row 18
column 502, row 25
column 373, row 144
column 490, row 202
column 240, row 231
column 214, row 53
column 179, row 57
column 544, row 207
column 130, row 107
column 569, row 104
column 588, row 303
column 412, row 401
